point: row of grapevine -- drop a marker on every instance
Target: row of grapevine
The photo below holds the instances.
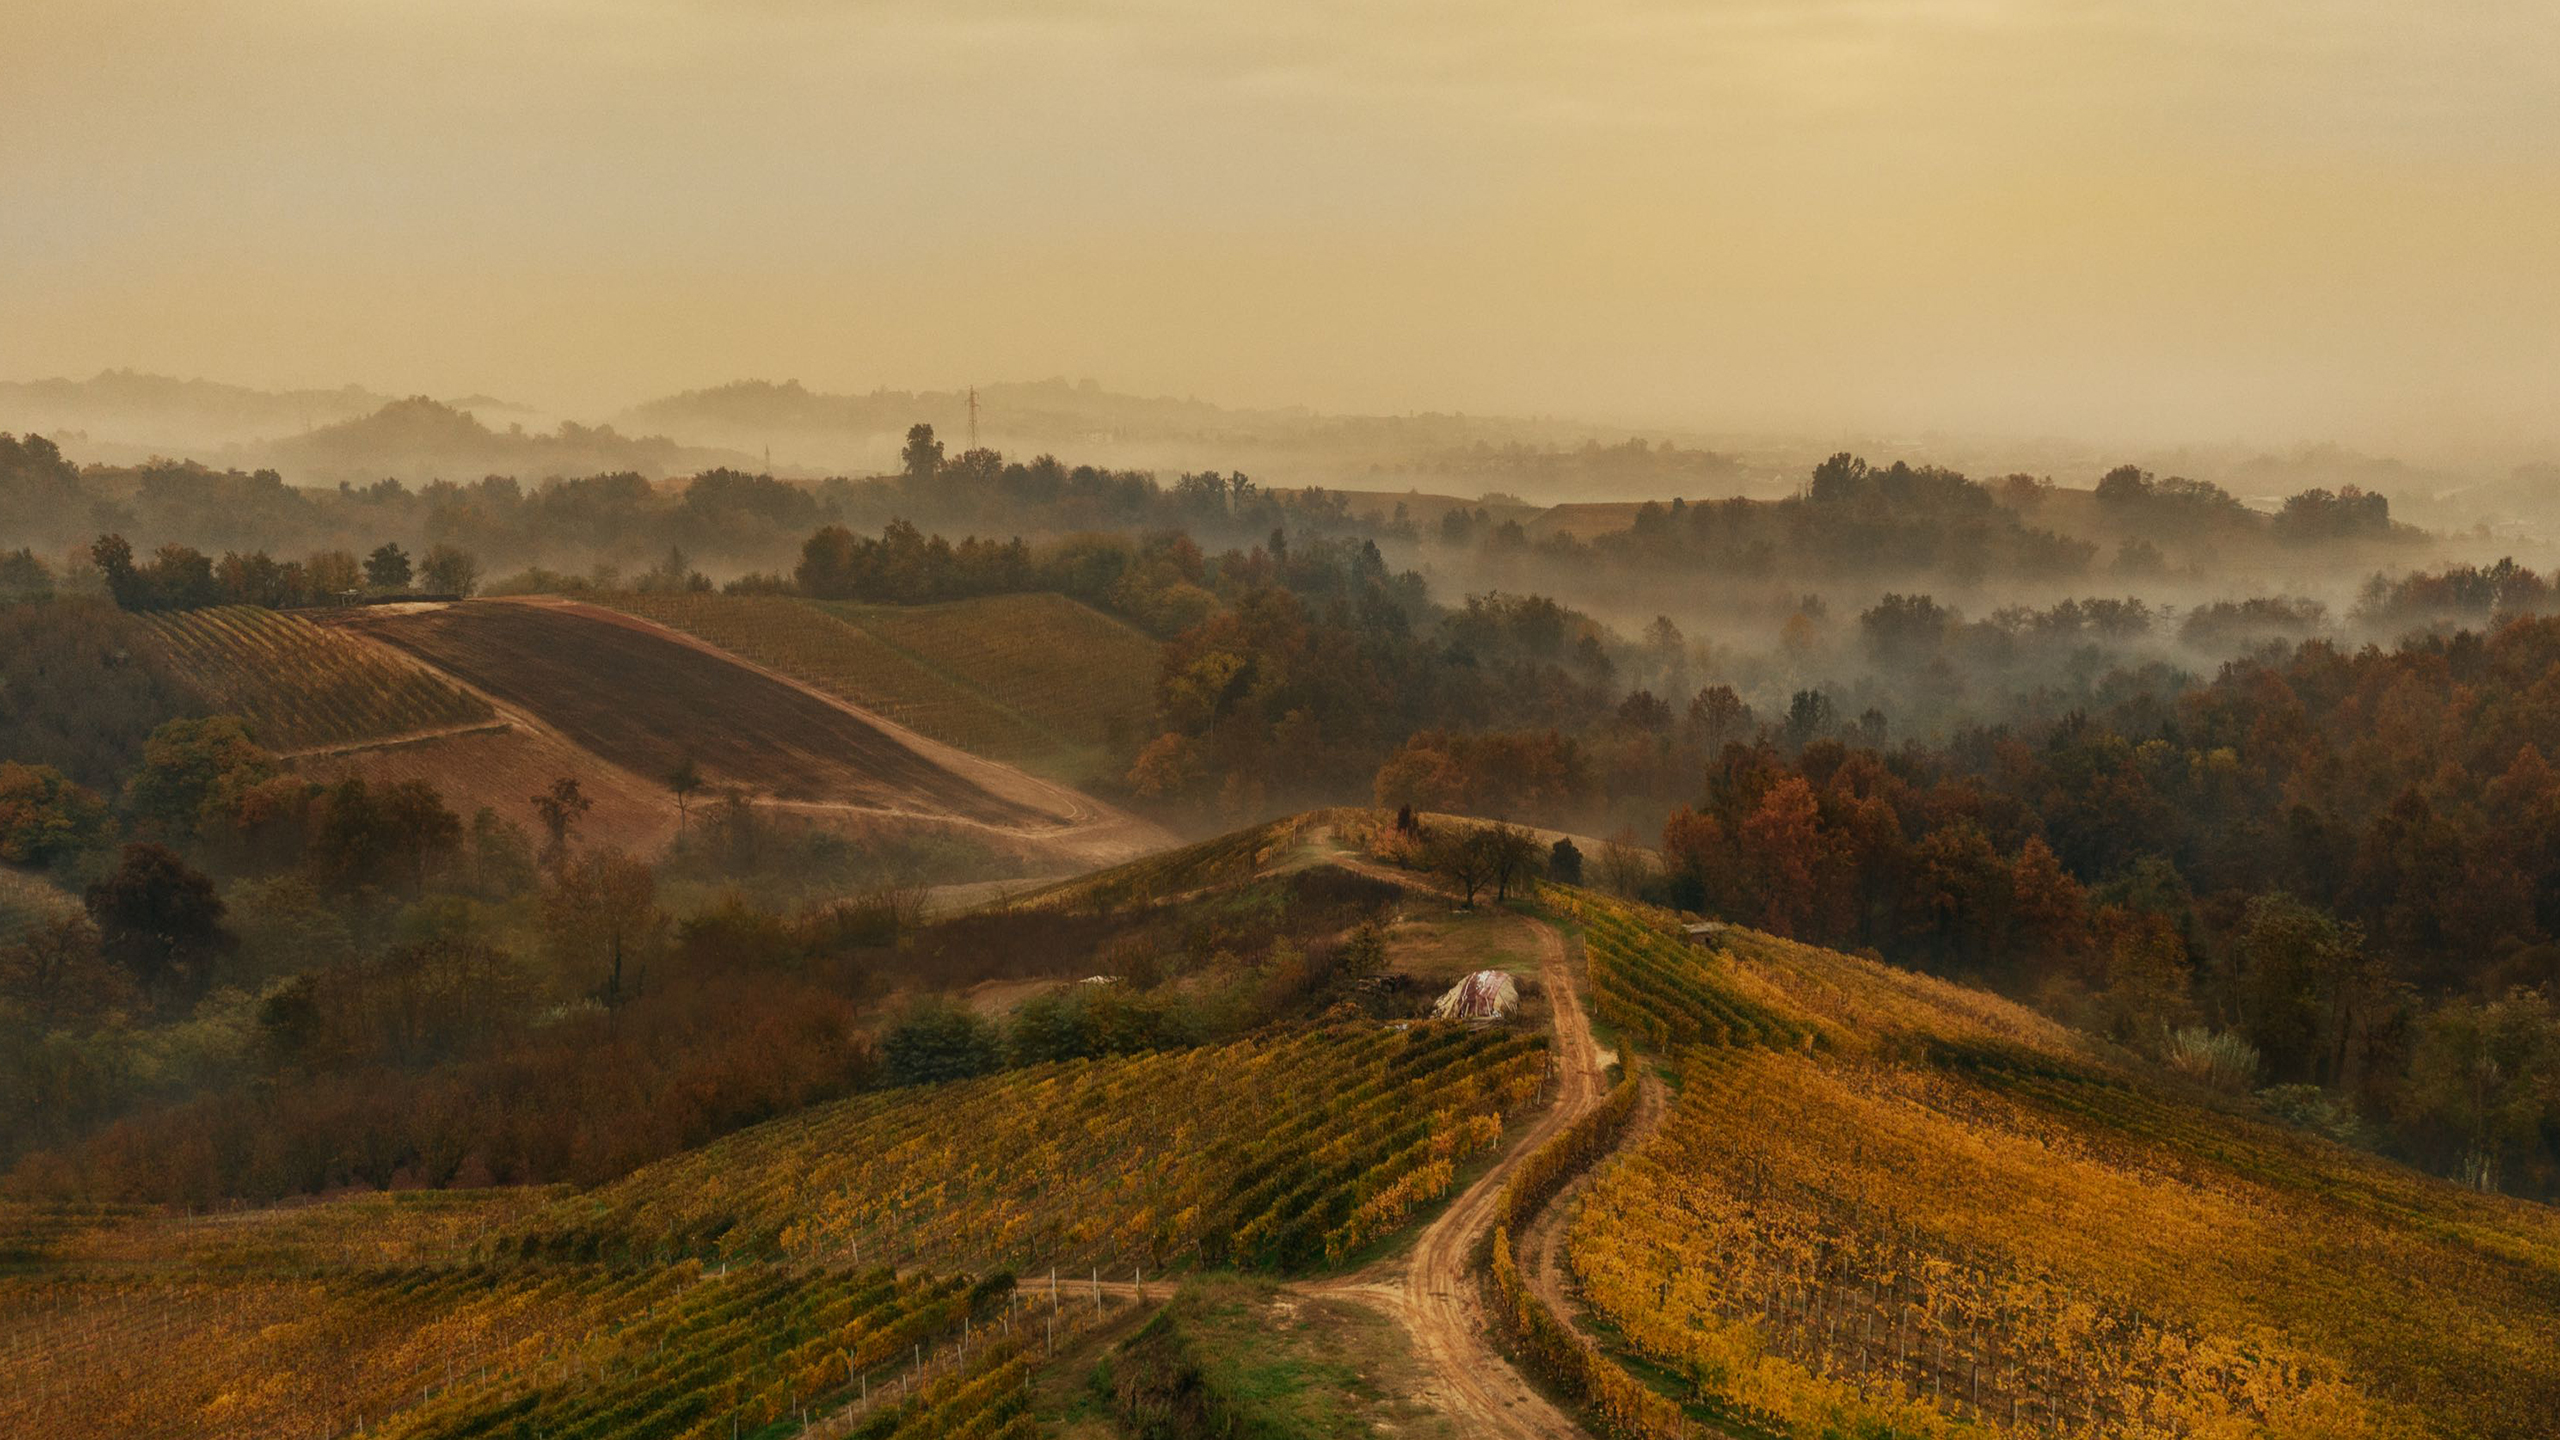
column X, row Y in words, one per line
column 301, row 685
column 1275, row 1152
column 1951, row 1217
column 1067, row 667
column 1567, row 1359
column 1650, row 980
column 452, row 1351
column 379, row 1231
column 1825, row 1241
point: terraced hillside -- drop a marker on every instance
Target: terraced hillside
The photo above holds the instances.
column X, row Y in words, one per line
column 304, row 686
column 1036, row 680
column 1879, row 1200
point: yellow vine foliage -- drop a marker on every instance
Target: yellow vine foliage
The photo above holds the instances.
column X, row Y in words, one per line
column 1944, row 1215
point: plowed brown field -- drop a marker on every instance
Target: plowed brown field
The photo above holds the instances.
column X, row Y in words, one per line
column 642, row 698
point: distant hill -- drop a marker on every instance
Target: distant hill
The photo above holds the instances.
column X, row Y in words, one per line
column 423, row 439
column 1082, row 422
column 751, row 411
column 123, row 415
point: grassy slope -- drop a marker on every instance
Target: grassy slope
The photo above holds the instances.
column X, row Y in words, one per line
column 1241, row 1357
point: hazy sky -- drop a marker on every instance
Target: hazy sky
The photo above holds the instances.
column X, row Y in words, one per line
column 2190, row 219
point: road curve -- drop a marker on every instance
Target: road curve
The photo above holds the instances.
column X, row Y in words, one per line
column 1432, row 1290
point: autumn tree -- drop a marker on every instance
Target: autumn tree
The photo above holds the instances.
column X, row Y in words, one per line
column 44, row 817
column 449, row 570
column 936, row 1040
column 560, row 808
column 193, row 772
column 600, row 918
column 1694, row 853
column 1781, row 848
column 158, row 919
column 387, row 568
column 2308, row 987
column 54, row 973
column 1564, row 862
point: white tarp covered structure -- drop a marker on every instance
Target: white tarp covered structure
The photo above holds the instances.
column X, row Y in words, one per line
column 1485, row 995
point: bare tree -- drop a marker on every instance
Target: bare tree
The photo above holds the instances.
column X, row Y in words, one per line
column 1463, row 858
column 684, row 780
column 1512, row 853
column 1623, row 863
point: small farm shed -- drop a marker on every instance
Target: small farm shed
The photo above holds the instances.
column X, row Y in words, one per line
column 1484, row 995
column 1706, row 934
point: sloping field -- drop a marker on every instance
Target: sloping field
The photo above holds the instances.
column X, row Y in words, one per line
column 1238, row 855
column 303, row 686
column 476, row 1342
column 1281, row 1152
column 1880, row 1200
column 1036, row 680
column 645, row 699
column 1064, row 666
column 1585, row 519
column 503, row 767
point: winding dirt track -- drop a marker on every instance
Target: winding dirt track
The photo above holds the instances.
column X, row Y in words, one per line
column 1540, row 1248
column 1432, row 1290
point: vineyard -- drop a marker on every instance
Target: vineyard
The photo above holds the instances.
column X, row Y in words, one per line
column 1039, row 680
column 1073, row 670
column 1649, row 980
column 1238, row 855
column 1265, row 1153
column 302, row 686
column 844, row 1271
column 440, row 1352
column 1885, row 1203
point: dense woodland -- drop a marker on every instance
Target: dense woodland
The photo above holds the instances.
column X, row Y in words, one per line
column 2223, row 834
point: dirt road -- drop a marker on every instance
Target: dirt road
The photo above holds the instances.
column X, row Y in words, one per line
column 1540, row 1248
column 561, row 669
column 1432, row 1289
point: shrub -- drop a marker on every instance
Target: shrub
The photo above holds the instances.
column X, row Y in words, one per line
column 2217, row 1059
